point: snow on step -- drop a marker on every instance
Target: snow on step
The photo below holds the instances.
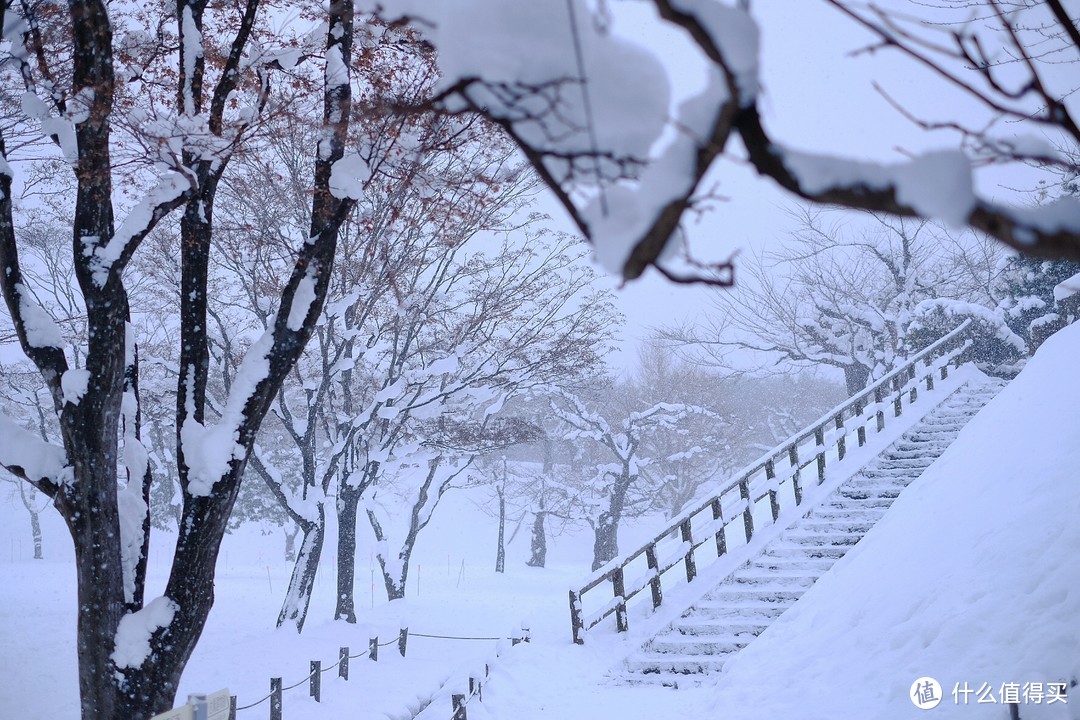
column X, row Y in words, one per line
column 744, row 604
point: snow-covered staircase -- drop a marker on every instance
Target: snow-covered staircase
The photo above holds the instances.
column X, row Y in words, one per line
column 746, row 602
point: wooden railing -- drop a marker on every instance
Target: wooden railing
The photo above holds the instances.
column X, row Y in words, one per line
column 778, row 476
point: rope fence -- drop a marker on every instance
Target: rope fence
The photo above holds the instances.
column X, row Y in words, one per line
column 314, row 678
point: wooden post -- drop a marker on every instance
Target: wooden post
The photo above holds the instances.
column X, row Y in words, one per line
column 898, row 401
column 575, row 618
column 945, row 371
column 315, row 684
column 618, row 588
column 861, row 432
column 879, row 397
column 688, row 537
column 796, row 473
column 232, row 707
column 774, row 505
column 929, row 379
column 654, row 583
column 819, row 439
column 914, row 394
column 403, row 640
column 343, row 663
column 748, row 515
column 373, row 648
column 476, row 688
column 721, row 534
column 275, row 698
column 841, row 438
column 458, row 703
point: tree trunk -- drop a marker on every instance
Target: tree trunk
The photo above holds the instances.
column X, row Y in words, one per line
column 606, row 539
column 856, row 377
column 35, row 529
column 538, row 546
column 298, row 597
column 347, row 504
column 290, row 543
column 500, row 553
column 606, row 542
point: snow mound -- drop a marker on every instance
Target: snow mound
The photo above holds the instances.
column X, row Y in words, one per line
column 970, row 579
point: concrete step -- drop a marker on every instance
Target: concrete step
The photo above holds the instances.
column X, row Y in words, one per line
column 751, row 598
column 711, row 645
column 818, row 539
column 670, row 664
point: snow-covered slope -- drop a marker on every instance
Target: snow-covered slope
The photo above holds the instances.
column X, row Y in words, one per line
column 973, row 579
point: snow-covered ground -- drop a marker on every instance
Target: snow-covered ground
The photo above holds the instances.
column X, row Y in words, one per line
column 971, row 579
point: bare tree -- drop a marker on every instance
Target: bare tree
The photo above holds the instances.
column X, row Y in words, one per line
column 593, row 135
column 132, row 651
column 843, row 296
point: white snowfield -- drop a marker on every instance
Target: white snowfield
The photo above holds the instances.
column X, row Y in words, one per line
column 970, row 579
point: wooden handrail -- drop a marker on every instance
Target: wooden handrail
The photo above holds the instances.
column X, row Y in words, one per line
column 853, row 414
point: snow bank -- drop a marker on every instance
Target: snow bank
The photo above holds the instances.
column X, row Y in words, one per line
column 970, row 578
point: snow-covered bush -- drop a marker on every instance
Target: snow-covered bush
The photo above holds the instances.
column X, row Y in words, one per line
column 993, row 342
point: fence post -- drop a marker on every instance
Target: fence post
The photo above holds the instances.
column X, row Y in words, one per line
column 796, row 473
column 315, row 684
column 688, row 537
column 403, row 640
column 819, row 440
column 476, row 688
column 721, row 534
column 458, row 702
column 275, row 698
column 575, row 618
column 619, row 591
column 373, row 648
column 654, row 583
column 879, row 397
column 841, row 438
column 343, row 663
column 861, row 432
column 232, row 707
column 748, row 514
column 898, row 402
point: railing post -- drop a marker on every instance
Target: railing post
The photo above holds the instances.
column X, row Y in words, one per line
column 819, row 440
column 945, row 371
column 796, row 472
column 688, row 537
column 898, row 401
column 315, row 684
column 748, row 514
column 275, row 698
column 575, row 618
column 774, row 505
column 458, row 703
column 403, row 640
column 721, row 534
column 914, row 394
column 476, row 688
column 841, row 438
column 619, row 591
column 861, row 432
column 373, row 648
column 929, row 376
column 654, row 583
column 343, row 663
column 879, row 397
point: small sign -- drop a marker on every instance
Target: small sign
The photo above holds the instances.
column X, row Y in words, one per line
column 181, row 713
column 217, row 705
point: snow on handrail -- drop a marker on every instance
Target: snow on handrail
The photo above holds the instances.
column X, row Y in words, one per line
column 827, row 436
